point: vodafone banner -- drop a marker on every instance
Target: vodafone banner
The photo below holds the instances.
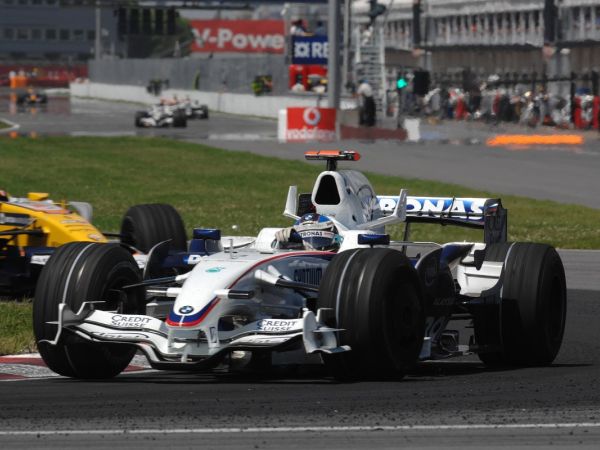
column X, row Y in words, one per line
column 240, row 36
column 310, row 124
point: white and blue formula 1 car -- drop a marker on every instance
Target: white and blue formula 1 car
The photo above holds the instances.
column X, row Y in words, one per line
column 370, row 307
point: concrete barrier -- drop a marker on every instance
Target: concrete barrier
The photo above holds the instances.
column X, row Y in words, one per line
column 413, row 129
column 243, row 104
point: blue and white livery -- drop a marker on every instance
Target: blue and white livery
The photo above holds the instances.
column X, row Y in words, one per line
column 368, row 306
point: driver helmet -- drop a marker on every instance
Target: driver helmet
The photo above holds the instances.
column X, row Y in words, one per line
column 318, row 232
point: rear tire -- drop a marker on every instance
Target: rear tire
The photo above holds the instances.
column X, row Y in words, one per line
column 144, row 226
column 79, row 272
column 179, row 119
column 487, row 319
column 138, row 118
column 528, row 326
column 376, row 297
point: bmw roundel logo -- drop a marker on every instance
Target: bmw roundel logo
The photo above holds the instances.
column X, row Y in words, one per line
column 186, row 309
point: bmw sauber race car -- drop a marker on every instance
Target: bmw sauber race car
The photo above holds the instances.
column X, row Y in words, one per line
column 32, row 227
column 159, row 116
column 193, row 109
column 333, row 284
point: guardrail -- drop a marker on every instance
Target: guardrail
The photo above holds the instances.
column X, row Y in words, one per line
column 242, row 104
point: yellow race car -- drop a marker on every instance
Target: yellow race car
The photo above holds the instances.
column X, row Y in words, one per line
column 32, row 227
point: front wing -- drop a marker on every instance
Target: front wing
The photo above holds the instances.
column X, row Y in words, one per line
column 167, row 347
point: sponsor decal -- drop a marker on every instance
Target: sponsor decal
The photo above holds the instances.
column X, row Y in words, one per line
column 129, row 321
column 262, row 340
column 239, row 36
column 448, row 301
column 123, row 335
column 192, row 259
column 310, row 275
column 73, row 221
column 215, row 269
column 14, row 219
column 40, row 259
column 432, row 205
column 310, row 50
column 316, row 233
column 95, row 236
column 277, row 324
column 46, row 207
column 186, row 309
column 311, row 124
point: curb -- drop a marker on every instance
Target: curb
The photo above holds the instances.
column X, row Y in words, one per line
column 12, row 126
column 30, row 366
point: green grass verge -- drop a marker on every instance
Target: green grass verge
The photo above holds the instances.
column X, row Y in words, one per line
column 16, row 335
column 216, row 188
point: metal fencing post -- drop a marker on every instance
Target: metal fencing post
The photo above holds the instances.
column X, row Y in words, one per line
column 333, row 63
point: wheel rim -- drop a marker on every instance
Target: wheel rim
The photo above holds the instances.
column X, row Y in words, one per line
column 117, row 299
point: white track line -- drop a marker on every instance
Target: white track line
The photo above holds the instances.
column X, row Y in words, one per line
column 458, row 427
column 11, row 126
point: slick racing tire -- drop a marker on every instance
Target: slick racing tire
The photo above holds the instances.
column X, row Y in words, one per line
column 202, row 113
column 138, row 118
column 486, row 320
column 179, row 119
column 78, row 272
column 376, row 298
column 144, row 226
column 527, row 328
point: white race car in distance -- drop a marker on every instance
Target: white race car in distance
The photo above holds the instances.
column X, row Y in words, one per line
column 159, row 116
column 370, row 308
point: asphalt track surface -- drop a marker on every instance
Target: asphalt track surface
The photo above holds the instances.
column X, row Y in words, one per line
column 451, row 404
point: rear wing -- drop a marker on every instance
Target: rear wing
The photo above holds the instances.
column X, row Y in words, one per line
column 485, row 213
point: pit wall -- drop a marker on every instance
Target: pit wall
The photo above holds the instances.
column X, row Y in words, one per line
column 242, row 104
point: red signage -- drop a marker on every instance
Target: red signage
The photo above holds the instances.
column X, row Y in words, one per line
column 310, row 124
column 240, row 36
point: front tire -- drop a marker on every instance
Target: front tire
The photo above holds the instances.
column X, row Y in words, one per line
column 376, row 298
column 138, row 118
column 79, row 272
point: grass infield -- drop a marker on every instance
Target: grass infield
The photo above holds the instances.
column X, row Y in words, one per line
column 217, row 188
column 16, row 334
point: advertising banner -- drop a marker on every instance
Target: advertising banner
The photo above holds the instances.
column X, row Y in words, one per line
column 238, row 36
column 310, row 124
column 309, row 50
